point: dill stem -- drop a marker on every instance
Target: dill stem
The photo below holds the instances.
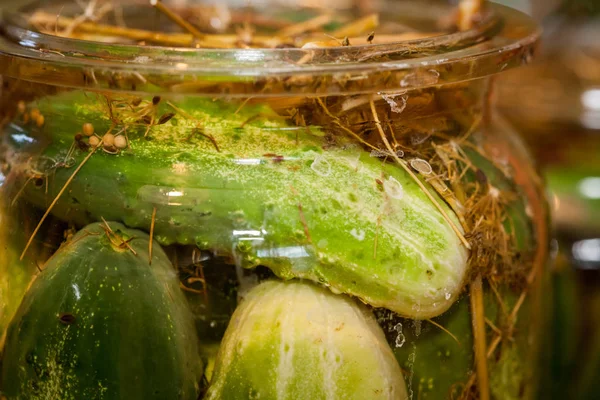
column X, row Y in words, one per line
column 176, row 18
column 37, row 228
column 478, row 320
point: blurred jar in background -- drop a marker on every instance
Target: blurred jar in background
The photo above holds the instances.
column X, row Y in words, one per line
column 556, row 103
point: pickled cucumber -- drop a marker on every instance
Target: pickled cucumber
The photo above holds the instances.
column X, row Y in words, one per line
column 101, row 323
column 297, row 341
column 270, row 196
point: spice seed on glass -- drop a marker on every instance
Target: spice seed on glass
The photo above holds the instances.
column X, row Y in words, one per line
column 120, row 142
column 94, row 141
column 109, row 140
column 88, row 129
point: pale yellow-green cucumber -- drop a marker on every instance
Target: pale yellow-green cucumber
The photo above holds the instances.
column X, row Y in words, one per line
column 297, row 341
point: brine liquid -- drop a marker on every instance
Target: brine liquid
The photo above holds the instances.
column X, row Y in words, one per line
column 238, row 192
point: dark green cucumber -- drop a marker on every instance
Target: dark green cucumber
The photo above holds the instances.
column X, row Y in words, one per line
column 101, row 323
column 271, row 196
column 433, row 360
column 298, row 341
column 439, row 364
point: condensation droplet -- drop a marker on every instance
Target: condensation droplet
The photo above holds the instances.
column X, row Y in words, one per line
column 421, row 166
column 393, row 102
column 400, row 338
column 393, row 188
column 321, row 166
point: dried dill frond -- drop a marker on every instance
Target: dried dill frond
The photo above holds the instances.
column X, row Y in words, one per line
column 442, row 130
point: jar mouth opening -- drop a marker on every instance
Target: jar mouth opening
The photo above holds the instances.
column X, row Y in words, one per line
column 499, row 33
column 433, row 30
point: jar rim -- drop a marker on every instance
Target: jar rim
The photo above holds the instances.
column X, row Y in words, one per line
column 501, row 39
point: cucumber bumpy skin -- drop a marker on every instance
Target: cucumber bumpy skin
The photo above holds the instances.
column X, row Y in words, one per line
column 297, row 341
column 100, row 323
column 272, row 196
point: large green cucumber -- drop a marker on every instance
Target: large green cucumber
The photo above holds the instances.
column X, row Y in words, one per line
column 273, row 196
column 101, row 323
column 297, row 341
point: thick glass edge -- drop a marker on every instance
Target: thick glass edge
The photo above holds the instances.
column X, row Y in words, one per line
column 506, row 39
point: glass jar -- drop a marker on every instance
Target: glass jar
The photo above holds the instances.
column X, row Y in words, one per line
column 566, row 143
column 329, row 215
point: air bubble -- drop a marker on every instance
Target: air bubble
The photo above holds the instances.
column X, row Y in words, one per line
column 417, row 325
column 385, row 153
column 411, row 370
column 400, row 338
column 393, row 103
column 358, row 234
column 421, row 165
column 321, row 166
column 352, row 158
column 377, row 153
column 393, row 188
